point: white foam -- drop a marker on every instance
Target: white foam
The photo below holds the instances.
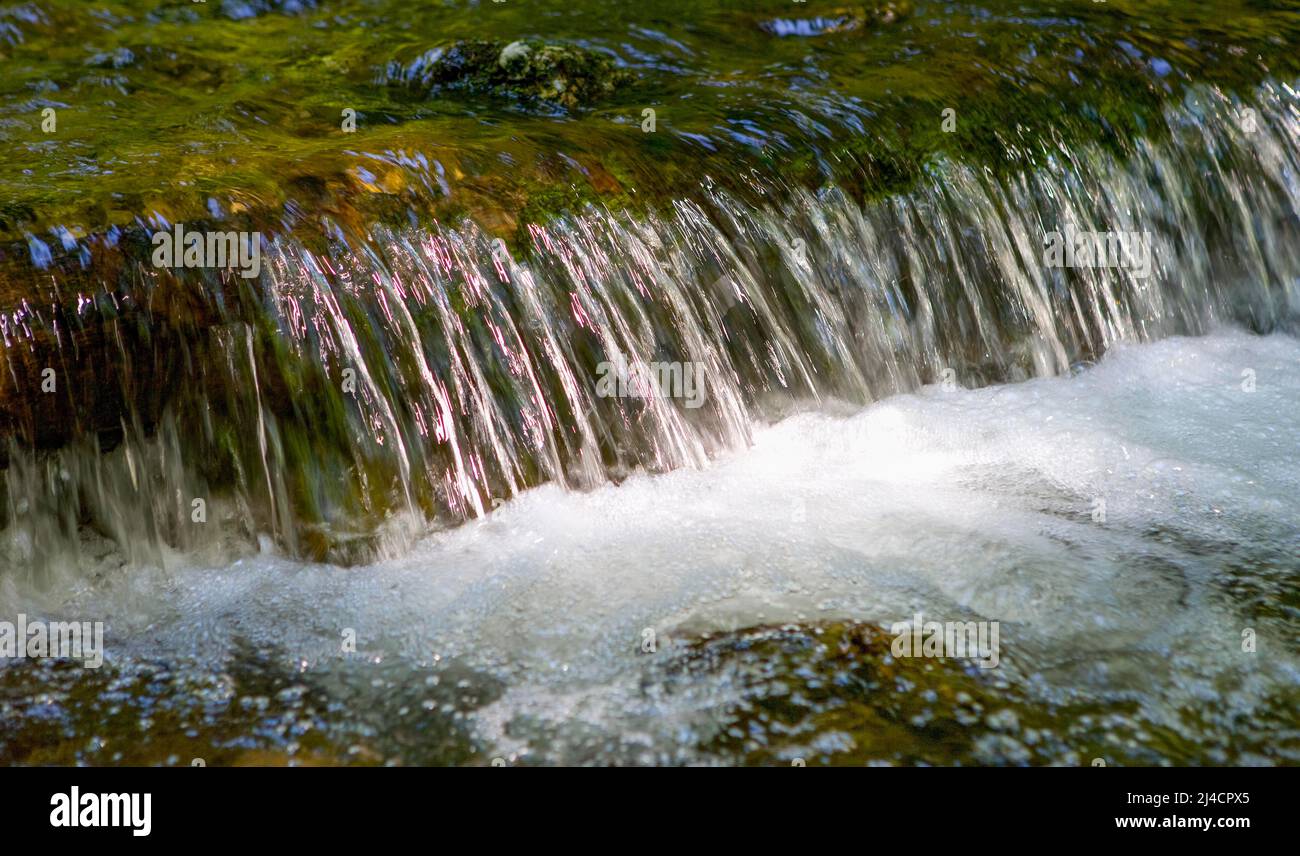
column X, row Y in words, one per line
column 960, row 504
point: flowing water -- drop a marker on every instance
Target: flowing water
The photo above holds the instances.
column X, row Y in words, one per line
column 520, row 635
column 374, row 504
column 433, row 375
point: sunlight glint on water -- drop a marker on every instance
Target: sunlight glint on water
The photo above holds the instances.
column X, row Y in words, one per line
column 962, row 504
column 475, row 373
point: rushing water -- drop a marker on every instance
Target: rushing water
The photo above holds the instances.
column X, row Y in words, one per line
column 520, row 635
column 348, row 396
column 377, row 505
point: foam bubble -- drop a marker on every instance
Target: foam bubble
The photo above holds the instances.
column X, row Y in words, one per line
column 1124, row 526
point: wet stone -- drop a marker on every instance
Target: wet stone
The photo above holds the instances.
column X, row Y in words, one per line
column 528, row 71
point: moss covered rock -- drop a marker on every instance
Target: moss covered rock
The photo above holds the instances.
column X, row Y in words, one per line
column 833, row 694
column 529, row 71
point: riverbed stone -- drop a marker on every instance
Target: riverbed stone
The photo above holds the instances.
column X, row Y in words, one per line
column 527, row 70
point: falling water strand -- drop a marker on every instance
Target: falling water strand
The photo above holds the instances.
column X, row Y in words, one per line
column 475, row 374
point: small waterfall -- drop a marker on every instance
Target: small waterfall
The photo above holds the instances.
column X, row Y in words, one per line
column 350, row 396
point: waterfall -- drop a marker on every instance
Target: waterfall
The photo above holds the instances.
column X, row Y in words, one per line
column 353, row 395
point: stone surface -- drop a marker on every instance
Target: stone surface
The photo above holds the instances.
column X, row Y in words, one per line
column 529, row 71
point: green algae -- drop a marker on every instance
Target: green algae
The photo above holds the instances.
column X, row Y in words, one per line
column 256, row 710
column 527, row 71
column 832, row 695
column 825, row 694
column 185, row 110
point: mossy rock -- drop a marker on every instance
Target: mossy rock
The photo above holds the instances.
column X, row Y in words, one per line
column 258, row 709
column 529, row 71
column 833, row 695
column 841, row 19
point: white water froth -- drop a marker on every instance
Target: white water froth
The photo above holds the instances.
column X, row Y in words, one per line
column 961, row 504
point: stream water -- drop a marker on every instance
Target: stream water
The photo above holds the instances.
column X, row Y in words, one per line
column 521, row 635
column 387, row 501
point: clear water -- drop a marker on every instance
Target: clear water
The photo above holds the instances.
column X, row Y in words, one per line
column 519, row 635
column 397, row 432
column 474, row 368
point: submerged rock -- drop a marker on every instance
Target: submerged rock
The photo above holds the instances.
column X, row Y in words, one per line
column 840, row 20
column 528, row 70
column 834, row 694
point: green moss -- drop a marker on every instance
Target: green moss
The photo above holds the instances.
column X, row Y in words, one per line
column 832, row 694
column 157, row 111
column 261, row 709
column 526, row 70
